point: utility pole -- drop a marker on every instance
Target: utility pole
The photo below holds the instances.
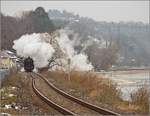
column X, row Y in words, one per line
column 69, row 62
column 119, row 38
column 149, row 90
column 0, row 30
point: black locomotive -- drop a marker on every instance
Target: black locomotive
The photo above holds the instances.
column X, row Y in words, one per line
column 28, row 64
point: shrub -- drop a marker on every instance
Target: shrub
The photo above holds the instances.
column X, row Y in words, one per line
column 141, row 98
column 89, row 85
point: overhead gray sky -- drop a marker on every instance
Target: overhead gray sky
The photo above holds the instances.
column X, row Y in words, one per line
column 99, row 10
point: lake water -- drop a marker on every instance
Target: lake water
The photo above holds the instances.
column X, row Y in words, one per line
column 129, row 81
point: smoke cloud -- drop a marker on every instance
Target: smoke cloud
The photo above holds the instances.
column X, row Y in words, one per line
column 34, row 46
column 38, row 47
column 77, row 61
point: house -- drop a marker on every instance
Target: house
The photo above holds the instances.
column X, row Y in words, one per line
column 6, row 61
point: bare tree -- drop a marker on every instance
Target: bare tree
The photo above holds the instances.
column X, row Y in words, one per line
column 102, row 58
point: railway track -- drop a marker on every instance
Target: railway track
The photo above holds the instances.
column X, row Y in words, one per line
column 63, row 110
column 49, row 102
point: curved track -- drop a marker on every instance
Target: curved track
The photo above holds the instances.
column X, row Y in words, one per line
column 66, row 95
column 49, row 102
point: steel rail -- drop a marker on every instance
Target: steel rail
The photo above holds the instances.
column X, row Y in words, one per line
column 57, row 107
column 79, row 101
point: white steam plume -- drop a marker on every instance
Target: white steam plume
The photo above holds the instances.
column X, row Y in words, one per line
column 78, row 61
column 34, row 46
column 38, row 47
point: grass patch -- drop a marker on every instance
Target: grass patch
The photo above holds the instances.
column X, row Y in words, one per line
column 140, row 98
column 97, row 90
column 25, row 98
column 87, row 85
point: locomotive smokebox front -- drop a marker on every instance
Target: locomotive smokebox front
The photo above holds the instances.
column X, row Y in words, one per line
column 28, row 64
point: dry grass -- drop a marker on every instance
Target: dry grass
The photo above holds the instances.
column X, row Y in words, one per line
column 98, row 90
column 140, row 98
column 10, row 111
column 25, row 96
column 87, row 85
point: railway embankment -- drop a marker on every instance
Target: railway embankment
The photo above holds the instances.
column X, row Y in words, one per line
column 86, row 86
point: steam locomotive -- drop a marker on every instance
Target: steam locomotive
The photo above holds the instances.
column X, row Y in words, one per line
column 28, row 64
